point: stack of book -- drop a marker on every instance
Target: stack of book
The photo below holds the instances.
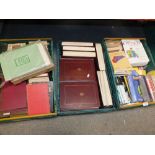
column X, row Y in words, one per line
column 25, row 87
column 129, row 60
column 102, row 77
column 78, row 49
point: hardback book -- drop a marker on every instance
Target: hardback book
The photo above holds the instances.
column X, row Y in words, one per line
column 38, row 99
column 151, row 86
column 144, row 89
column 135, row 52
column 13, row 99
column 77, row 69
column 67, row 43
column 100, row 56
column 79, row 96
column 15, row 46
column 25, row 62
column 78, row 54
column 114, row 49
column 39, row 80
column 78, row 48
column 120, row 63
column 104, row 88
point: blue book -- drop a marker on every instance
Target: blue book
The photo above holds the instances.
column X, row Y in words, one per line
column 134, row 86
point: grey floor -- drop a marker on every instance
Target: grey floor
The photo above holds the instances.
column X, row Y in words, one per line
column 133, row 121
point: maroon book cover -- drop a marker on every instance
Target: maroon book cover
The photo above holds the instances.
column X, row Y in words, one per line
column 13, row 98
column 77, row 69
column 79, row 96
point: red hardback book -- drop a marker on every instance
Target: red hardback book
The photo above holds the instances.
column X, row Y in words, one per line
column 13, row 98
column 38, row 99
column 79, row 96
column 77, row 69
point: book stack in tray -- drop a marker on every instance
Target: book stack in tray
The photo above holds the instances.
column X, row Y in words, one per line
column 25, row 85
column 80, row 89
column 129, row 60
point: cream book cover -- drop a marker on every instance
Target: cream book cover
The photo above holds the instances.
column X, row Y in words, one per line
column 135, row 52
column 120, row 62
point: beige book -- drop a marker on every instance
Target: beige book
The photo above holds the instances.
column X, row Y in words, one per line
column 76, row 48
column 39, row 80
column 15, row 46
column 79, row 54
column 104, row 88
column 43, row 75
column 65, row 43
column 112, row 49
column 100, row 57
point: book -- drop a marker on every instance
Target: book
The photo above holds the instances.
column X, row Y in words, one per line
column 39, row 80
column 38, row 99
column 25, row 62
column 114, row 49
column 122, row 88
column 67, row 43
column 79, row 96
column 104, row 88
column 134, row 85
column 120, row 63
column 78, row 48
column 135, row 52
column 77, row 69
column 151, row 86
column 15, row 46
column 13, row 99
column 78, row 54
column 144, row 89
column 100, row 56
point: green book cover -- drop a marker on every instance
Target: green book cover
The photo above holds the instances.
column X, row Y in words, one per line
column 23, row 60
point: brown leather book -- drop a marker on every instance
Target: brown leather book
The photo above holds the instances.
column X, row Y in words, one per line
column 77, row 69
column 79, row 96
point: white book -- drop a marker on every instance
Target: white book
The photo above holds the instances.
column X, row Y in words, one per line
column 65, row 43
column 79, row 54
column 104, row 88
column 76, row 48
column 100, row 57
column 135, row 52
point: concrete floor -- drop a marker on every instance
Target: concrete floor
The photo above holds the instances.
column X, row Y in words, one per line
column 133, row 121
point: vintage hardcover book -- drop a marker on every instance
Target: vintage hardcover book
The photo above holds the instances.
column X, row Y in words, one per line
column 75, row 69
column 78, row 54
column 67, row 43
column 120, row 63
column 100, row 56
column 151, row 86
column 135, row 52
column 13, row 99
column 104, row 88
column 79, row 96
column 78, row 48
column 25, row 62
column 38, row 99
column 15, row 46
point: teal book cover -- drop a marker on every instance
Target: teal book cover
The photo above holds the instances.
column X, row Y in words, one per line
column 24, row 60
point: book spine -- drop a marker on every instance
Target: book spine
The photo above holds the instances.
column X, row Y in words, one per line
column 151, row 86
